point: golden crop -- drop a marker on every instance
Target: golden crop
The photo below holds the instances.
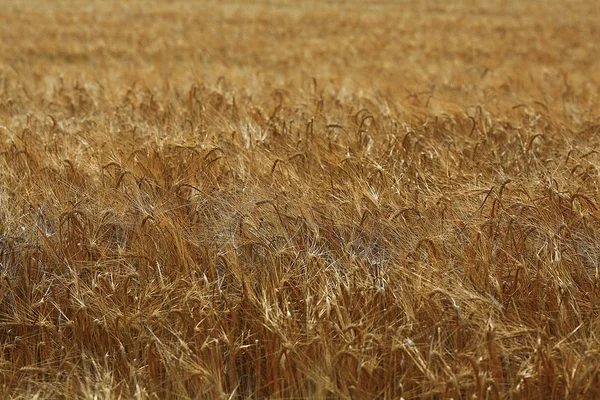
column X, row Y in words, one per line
column 291, row 199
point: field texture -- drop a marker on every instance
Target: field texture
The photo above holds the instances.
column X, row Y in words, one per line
column 284, row 199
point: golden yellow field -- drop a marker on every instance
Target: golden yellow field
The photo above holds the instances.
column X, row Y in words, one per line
column 284, row 199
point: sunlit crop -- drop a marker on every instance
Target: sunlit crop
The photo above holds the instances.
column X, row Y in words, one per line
column 299, row 200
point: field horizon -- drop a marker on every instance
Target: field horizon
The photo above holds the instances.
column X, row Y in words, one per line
column 284, row 199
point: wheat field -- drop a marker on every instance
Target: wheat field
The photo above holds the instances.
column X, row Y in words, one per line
column 281, row 199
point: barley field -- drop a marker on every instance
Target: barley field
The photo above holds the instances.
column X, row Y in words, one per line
column 299, row 199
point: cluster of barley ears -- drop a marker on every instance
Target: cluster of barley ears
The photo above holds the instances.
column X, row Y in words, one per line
column 222, row 237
